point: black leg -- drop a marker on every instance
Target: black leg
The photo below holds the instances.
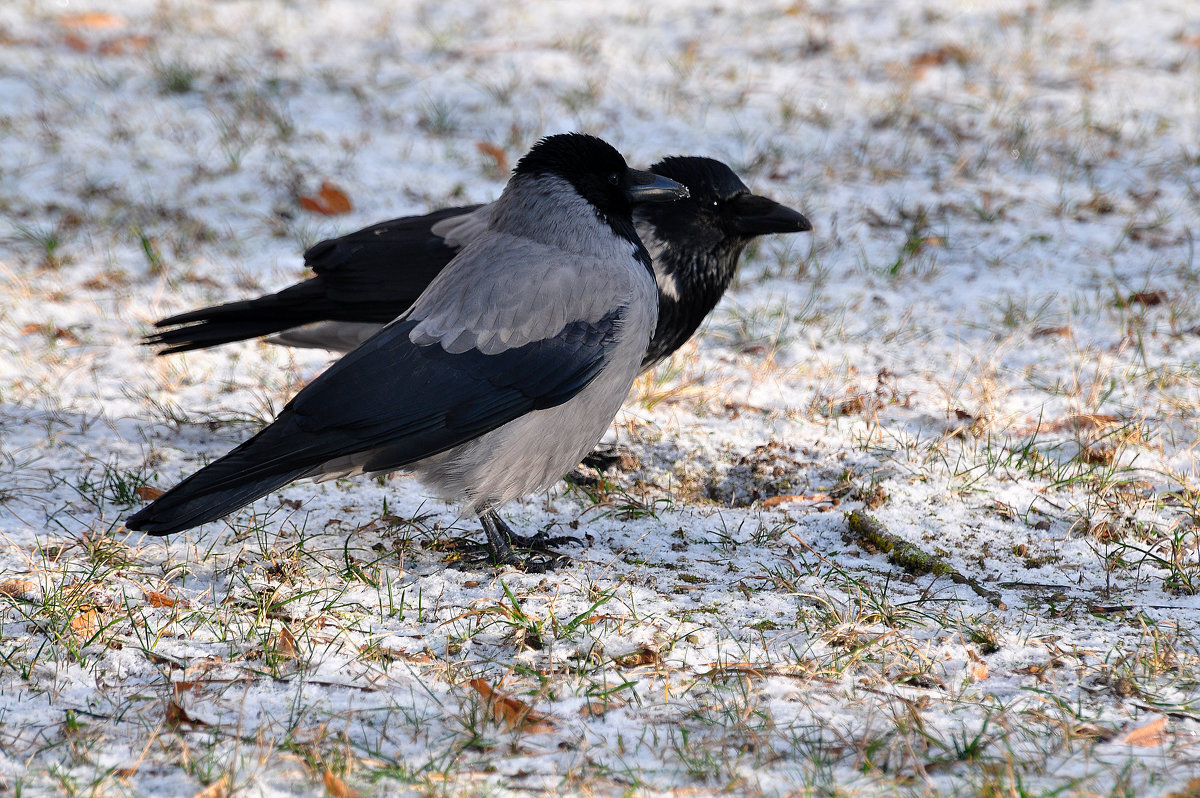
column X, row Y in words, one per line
column 506, row 547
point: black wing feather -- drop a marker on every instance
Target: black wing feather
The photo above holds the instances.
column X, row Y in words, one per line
column 371, row 275
column 394, row 402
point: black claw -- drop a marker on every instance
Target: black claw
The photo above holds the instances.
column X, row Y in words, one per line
column 505, row 547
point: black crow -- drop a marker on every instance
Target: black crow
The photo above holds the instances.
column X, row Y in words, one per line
column 499, row 377
column 366, row 278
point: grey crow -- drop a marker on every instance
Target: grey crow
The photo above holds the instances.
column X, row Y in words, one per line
column 366, row 278
column 500, row 376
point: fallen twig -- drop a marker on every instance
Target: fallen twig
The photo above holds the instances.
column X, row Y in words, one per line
column 869, row 531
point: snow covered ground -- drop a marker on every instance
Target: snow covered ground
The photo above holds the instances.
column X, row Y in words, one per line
column 991, row 341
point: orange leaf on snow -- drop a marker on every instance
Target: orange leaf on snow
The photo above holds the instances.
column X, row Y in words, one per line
column 218, row 789
column 979, row 668
column 95, row 20
column 155, row 599
column 1151, row 734
column 178, row 716
column 496, row 153
column 285, row 644
column 86, row 623
column 513, row 713
column 1190, row 790
column 18, row 588
column 774, row 501
column 147, row 493
column 330, row 201
column 336, row 787
column 76, row 43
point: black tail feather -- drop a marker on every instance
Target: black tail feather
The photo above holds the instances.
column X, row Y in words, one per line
column 197, row 501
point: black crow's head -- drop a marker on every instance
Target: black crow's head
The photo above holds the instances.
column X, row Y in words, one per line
column 721, row 209
column 598, row 173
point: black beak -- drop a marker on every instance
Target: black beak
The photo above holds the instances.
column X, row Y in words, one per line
column 755, row 215
column 648, row 187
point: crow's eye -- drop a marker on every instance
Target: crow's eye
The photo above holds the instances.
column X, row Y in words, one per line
column 614, row 179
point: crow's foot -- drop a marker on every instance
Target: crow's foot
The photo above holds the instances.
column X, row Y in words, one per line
column 505, row 547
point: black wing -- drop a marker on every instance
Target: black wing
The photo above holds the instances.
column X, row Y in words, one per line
column 370, row 275
column 389, row 403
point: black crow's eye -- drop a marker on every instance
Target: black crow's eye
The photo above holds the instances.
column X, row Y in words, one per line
column 614, row 179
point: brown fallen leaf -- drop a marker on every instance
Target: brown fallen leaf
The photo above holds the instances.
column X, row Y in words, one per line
column 93, row 20
column 76, row 43
column 18, row 588
column 942, row 55
column 775, row 501
column 597, row 708
column 285, row 644
column 147, row 493
column 496, row 153
column 156, row 599
column 336, row 787
column 643, row 656
column 120, row 45
column 512, row 712
column 1190, row 790
column 329, row 201
column 178, row 716
column 979, row 668
column 218, row 789
column 1148, row 735
column 87, row 623
column 1148, row 298
column 57, row 333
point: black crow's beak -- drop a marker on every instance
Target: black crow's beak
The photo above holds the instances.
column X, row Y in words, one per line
column 648, row 187
column 754, row 215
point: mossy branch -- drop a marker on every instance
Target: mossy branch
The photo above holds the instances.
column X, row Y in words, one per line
column 869, row 532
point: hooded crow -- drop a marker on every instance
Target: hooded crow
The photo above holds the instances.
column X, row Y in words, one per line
column 502, row 374
column 366, row 278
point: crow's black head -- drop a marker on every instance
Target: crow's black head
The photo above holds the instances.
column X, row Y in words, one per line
column 598, row 173
column 696, row 243
column 721, row 208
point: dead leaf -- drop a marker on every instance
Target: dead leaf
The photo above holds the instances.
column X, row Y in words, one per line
column 87, row 623
column 1151, row 734
column 643, row 656
column 979, row 668
column 336, row 787
column 57, row 333
column 496, row 153
column 512, row 712
column 76, row 43
column 942, row 55
column 18, row 588
column 178, row 716
column 147, row 493
column 93, row 20
column 285, row 644
column 1190, row 790
column 218, row 789
column 329, row 201
column 155, row 599
column 121, row 45
column 595, row 709
column 816, row 498
column 1148, row 298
